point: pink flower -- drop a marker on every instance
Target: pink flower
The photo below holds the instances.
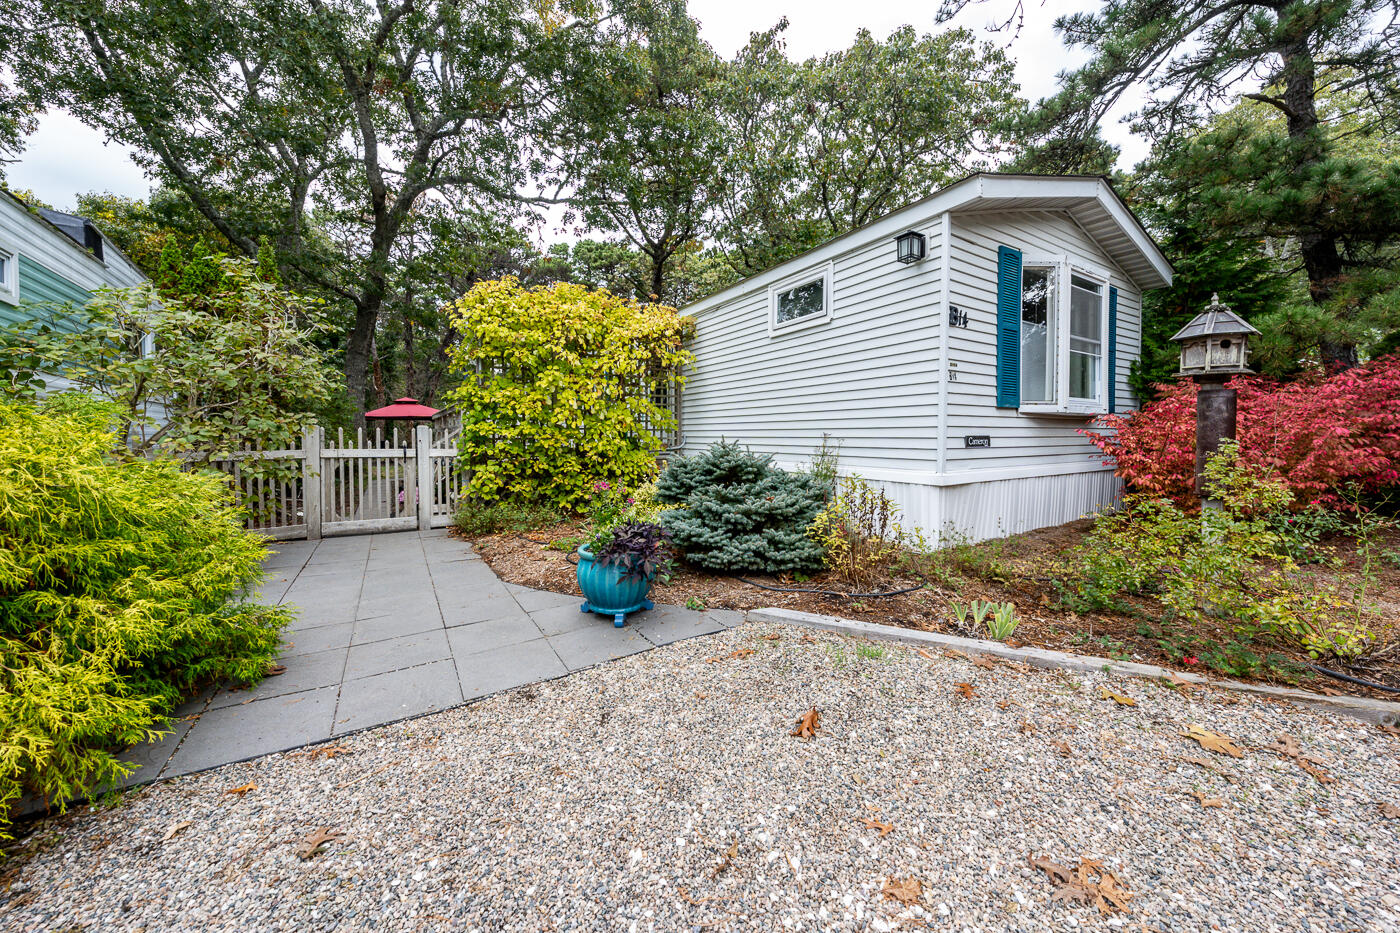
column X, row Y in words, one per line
column 602, row 486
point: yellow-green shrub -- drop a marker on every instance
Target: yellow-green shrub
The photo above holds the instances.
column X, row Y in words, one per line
column 120, row 594
column 862, row 532
column 557, row 390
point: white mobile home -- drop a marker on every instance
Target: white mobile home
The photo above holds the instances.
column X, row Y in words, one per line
column 955, row 369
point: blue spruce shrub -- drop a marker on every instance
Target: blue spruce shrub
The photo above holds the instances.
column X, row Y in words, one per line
column 741, row 513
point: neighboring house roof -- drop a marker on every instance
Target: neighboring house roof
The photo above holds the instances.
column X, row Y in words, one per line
column 77, row 232
column 1089, row 200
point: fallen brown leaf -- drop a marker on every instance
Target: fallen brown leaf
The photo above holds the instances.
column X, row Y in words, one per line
column 240, row 791
column 175, row 828
column 1206, row 801
column 312, row 843
column 907, row 891
column 727, row 860
column 1286, row 746
column 1003, row 704
column 1212, row 741
column 274, row 669
column 965, row 691
column 1106, row 892
column 1063, row 748
column 1178, row 683
column 734, row 655
column 983, row 662
column 807, row 724
column 884, row 828
column 953, row 653
column 772, row 637
column 1389, row 729
column 1389, row 810
column 1027, row 727
column 1107, row 694
column 325, row 751
column 924, row 653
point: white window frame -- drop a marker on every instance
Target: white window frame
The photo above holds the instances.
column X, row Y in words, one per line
column 9, row 280
column 823, row 272
column 1065, row 267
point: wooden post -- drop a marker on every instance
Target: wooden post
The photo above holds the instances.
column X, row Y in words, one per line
column 1215, row 423
column 311, row 482
column 423, row 451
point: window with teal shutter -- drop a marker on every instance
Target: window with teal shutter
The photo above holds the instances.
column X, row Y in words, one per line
column 1008, row 327
column 1112, row 348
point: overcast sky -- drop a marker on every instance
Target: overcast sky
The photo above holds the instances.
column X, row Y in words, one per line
column 65, row 157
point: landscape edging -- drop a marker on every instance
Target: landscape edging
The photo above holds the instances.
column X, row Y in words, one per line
column 1380, row 712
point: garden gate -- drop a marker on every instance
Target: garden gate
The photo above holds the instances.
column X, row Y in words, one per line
column 395, row 481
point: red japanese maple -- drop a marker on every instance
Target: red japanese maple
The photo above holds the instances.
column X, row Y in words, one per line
column 1318, row 434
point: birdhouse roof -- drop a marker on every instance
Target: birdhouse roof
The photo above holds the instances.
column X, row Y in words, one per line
column 404, row 409
column 1217, row 319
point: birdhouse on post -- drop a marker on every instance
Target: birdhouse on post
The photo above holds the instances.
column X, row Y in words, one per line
column 1214, row 349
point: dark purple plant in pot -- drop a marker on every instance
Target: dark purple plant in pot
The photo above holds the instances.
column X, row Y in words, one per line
column 616, row 578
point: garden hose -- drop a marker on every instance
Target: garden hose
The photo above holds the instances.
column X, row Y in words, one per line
column 831, row 593
column 1350, row 679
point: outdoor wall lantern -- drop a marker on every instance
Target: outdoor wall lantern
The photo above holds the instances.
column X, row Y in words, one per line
column 909, row 246
column 1214, row 349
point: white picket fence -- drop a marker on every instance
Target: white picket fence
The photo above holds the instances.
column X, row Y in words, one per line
column 394, row 480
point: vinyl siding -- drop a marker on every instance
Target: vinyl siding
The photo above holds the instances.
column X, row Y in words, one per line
column 1019, row 440
column 52, row 268
column 866, row 378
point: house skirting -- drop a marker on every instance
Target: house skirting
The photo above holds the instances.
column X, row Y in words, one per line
column 995, row 508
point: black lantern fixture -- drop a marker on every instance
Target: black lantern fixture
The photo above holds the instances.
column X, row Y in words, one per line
column 909, row 246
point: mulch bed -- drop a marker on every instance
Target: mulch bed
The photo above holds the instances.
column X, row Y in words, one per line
column 1017, row 569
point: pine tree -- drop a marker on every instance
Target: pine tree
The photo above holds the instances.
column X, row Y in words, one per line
column 1341, row 212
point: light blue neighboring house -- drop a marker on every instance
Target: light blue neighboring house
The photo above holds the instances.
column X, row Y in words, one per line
column 51, row 256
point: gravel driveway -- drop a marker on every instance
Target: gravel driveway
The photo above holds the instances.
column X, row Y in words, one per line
column 664, row 791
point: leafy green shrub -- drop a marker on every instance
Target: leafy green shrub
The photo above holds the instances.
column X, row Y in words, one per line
column 742, row 513
column 1225, row 563
column 121, row 584
column 559, row 387
column 862, row 534
column 475, row 518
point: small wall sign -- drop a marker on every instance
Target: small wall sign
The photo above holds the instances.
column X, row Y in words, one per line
column 957, row 317
column 977, row 440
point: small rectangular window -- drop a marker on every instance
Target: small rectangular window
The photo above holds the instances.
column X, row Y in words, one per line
column 800, row 302
column 9, row 269
column 1085, row 338
column 1037, row 335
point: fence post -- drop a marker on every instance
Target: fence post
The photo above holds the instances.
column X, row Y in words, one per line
column 423, row 450
column 311, row 482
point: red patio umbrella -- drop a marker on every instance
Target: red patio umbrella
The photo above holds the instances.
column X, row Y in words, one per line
column 404, row 409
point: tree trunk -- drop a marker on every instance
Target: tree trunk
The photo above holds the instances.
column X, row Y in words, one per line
column 1322, row 260
column 357, row 351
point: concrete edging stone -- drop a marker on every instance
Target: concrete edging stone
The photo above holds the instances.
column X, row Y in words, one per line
column 1380, row 712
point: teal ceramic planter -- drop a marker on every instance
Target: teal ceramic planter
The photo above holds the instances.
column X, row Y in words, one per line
column 606, row 592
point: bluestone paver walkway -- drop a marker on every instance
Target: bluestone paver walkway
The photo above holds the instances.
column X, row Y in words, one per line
column 392, row 626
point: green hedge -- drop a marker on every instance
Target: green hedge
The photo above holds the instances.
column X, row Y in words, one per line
column 121, row 588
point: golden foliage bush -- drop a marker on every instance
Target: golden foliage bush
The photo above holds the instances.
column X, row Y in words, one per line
column 560, row 390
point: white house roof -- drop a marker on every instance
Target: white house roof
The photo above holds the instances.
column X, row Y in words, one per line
column 1089, row 200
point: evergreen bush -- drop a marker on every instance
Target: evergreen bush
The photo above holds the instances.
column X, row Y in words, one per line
column 121, row 583
column 742, row 514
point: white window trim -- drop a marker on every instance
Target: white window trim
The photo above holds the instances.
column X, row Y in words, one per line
column 825, row 272
column 9, row 283
column 1064, row 268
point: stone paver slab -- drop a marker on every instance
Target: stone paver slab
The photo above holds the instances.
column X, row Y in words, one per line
column 589, row 646
column 666, row 624
column 420, row 603
column 304, row 672
column 235, row 733
column 396, row 624
column 487, row 605
column 396, row 695
column 494, row 633
column 391, row 654
column 537, row 600
column 568, row 617
column 508, row 666
column 316, row 638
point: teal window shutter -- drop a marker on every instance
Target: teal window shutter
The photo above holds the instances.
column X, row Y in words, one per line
column 1008, row 327
column 1112, row 348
